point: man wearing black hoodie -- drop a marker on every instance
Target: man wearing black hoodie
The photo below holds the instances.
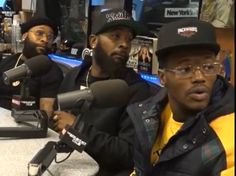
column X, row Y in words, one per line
column 188, row 127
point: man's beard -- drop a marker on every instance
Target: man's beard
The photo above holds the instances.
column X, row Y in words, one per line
column 30, row 49
column 107, row 63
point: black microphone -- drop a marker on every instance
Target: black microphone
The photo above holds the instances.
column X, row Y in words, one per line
column 34, row 66
column 102, row 94
column 23, row 101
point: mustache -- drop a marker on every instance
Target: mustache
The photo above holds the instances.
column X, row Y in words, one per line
column 47, row 48
column 121, row 53
column 122, row 60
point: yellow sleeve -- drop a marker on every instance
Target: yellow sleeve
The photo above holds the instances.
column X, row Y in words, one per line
column 227, row 172
column 224, row 128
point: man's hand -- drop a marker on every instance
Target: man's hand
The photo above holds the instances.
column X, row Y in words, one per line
column 61, row 119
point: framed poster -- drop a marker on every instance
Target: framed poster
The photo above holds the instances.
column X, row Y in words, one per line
column 219, row 13
column 142, row 57
column 155, row 13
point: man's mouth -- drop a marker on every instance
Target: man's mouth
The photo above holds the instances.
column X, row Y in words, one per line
column 117, row 58
column 199, row 94
column 123, row 55
column 41, row 49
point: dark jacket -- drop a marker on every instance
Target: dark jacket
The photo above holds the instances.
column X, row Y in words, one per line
column 109, row 131
column 195, row 149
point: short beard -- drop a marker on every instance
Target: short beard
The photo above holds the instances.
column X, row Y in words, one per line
column 30, row 49
column 107, row 64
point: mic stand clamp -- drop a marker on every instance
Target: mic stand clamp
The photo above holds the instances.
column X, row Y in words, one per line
column 42, row 160
column 70, row 140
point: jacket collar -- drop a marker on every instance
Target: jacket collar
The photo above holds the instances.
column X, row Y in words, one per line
column 222, row 99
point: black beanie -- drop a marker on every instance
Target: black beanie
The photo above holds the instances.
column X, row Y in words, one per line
column 35, row 21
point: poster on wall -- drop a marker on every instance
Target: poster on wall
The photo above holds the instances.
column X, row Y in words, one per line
column 220, row 13
column 142, row 57
column 155, row 13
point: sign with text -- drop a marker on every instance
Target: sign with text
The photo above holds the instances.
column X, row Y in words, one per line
column 155, row 13
column 181, row 12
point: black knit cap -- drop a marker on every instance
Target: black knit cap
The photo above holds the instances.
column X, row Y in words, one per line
column 36, row 21
column 186, row 33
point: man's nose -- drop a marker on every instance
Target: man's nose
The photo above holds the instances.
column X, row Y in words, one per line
column 44, row 37
column 198, row 74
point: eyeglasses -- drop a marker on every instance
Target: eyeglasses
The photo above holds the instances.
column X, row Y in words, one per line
column 187, row 71
column 40, row 34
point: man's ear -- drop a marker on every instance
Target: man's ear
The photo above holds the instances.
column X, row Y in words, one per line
column 162, row 77
column 93, row 40
column 24, row 36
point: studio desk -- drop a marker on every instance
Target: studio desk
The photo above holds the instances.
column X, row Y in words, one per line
column 15, row 154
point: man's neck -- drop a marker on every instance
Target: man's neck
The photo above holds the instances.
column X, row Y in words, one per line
column 180, row 117
column 181, row 114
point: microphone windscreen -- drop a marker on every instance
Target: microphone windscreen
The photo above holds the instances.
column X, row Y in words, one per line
column 38, row 65
column 110, row 93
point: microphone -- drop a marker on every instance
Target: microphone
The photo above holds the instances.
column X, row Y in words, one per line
column 23, row 101
column 34, row 66
column 102, row 94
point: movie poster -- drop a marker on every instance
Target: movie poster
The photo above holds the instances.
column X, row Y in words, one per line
column 142, row 55
column 219, row 13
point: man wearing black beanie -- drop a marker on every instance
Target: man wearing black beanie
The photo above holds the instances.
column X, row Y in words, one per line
column 38, row 35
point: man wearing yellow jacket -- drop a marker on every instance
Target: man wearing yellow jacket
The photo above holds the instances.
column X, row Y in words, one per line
column 186, row 129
